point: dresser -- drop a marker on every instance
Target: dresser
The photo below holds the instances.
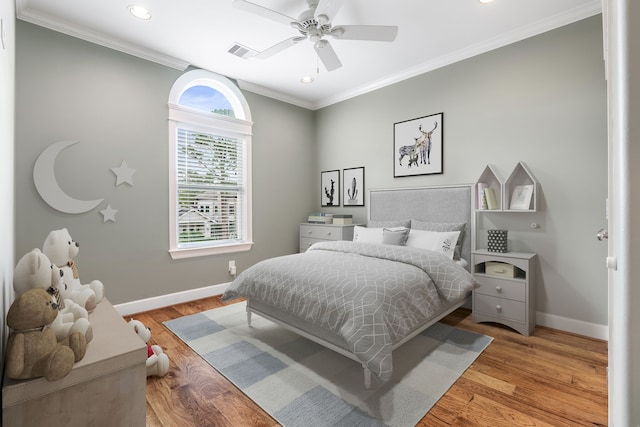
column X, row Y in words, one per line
column 106, row 388
column 506, row 289
column 312, row 233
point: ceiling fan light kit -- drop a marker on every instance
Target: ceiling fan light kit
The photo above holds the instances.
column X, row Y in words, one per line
column 314, row 24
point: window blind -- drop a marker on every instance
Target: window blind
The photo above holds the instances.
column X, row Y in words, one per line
column 210, row 185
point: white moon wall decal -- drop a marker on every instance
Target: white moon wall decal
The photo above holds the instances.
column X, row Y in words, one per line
column 44, row 178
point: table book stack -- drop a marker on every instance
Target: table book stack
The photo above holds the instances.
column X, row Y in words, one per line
column 342, row 219
column 320, row 218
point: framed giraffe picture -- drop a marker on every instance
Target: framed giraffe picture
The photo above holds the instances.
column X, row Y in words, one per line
column 418, row 146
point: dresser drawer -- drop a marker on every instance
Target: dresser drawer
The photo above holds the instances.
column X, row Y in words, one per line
column 503, row 288
column 324, row 232
column 500, row 307
column 305, row 242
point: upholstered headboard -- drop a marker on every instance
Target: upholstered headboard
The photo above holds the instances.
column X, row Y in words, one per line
column 446, row 204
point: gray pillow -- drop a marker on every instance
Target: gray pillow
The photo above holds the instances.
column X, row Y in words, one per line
column 396, row 237
column 443, row 226
column 389, row 224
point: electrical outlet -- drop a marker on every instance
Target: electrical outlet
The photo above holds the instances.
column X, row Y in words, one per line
column 232, row 267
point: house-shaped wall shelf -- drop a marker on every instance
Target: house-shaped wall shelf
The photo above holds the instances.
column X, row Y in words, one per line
column 520, row 191
column 490, row 178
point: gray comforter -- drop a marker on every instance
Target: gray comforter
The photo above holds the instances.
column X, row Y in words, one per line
column 372, row 296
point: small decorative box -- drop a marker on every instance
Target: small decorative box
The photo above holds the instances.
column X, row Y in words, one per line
column 497, row 241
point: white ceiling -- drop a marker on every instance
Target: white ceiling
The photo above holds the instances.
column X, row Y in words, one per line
column 431, row 34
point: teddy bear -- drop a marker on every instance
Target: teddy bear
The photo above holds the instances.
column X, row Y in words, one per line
column 32, row 349
column 157, row 360
column 61, row 249
column 35, row 271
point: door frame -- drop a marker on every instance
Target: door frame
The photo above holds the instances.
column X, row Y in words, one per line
column 622, row 61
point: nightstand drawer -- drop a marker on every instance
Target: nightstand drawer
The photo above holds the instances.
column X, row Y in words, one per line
column 503, row 288
column 500, row 307
column 323, row 232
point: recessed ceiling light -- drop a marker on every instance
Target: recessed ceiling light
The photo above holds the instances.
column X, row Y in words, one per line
column 140, row 12
column 307, row 79
column 486, row 1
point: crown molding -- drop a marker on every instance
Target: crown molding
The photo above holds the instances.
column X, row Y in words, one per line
column 28, row 15
column 556, row 21
column 590, row 9
column 261, row 90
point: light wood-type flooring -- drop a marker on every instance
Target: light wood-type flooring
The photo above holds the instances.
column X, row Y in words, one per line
column 550, row 378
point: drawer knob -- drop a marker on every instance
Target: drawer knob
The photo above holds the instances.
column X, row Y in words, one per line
column 328, row 233
column 498, row 307
column 498, row 288
column 309, row 232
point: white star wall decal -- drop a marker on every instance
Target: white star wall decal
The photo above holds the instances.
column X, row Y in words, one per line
column 109, row 214
column 124, row 173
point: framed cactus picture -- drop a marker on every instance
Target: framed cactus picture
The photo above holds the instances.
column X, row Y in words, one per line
column 330, row 188
column 353, row 193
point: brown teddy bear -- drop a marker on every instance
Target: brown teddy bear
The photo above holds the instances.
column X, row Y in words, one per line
column 33, row 350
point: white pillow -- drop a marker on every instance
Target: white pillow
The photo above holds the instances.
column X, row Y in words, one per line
column 370, row 234
column 443, row 242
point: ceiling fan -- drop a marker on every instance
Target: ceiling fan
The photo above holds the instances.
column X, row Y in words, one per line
column 315, row 24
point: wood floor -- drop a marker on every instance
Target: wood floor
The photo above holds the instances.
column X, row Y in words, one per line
column 551, row 378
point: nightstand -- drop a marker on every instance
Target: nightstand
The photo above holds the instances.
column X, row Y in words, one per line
column 506, row 289
column 312, row 233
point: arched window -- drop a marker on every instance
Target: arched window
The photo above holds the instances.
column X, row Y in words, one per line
column 210, row 160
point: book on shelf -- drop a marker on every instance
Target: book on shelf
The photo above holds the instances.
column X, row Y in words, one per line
column 490, row 195
column 482, row 199
column 342, row 216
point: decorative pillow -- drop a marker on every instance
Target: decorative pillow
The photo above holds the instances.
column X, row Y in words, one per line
column 372, row 234
column 443, row 226
column 395, row 236
column 367, row 234
column 406, row 223
column 438, row 241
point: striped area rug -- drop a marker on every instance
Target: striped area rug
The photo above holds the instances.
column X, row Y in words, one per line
column 300, row 383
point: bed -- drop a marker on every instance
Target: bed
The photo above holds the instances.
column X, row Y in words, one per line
column 364, row 298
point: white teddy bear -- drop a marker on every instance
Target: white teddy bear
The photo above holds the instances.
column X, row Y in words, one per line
column 34, row 270
column 157, row 360
column 61, row 250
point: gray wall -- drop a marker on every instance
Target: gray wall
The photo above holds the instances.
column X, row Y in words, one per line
column 116, row 106
column 541, row 101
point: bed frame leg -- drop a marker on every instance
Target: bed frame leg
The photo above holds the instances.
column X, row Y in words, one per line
column 367, row 377
column 248, row 317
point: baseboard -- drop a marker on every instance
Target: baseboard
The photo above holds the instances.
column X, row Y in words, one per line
column 579, row 327
column 148, row 304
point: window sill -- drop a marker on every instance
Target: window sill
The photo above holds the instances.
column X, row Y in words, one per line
column 182, row 253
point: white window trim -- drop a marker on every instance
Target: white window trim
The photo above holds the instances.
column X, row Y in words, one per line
column 240, row 126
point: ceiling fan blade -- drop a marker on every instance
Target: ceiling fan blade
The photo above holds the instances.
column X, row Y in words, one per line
column 380, row 33
column 327, row 9
column 263, row 11
column 327, row 55
column 277, row 48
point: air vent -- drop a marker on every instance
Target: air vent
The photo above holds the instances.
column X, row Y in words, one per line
column 241, row 51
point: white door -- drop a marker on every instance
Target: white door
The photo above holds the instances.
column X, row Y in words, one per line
column 622, row 52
